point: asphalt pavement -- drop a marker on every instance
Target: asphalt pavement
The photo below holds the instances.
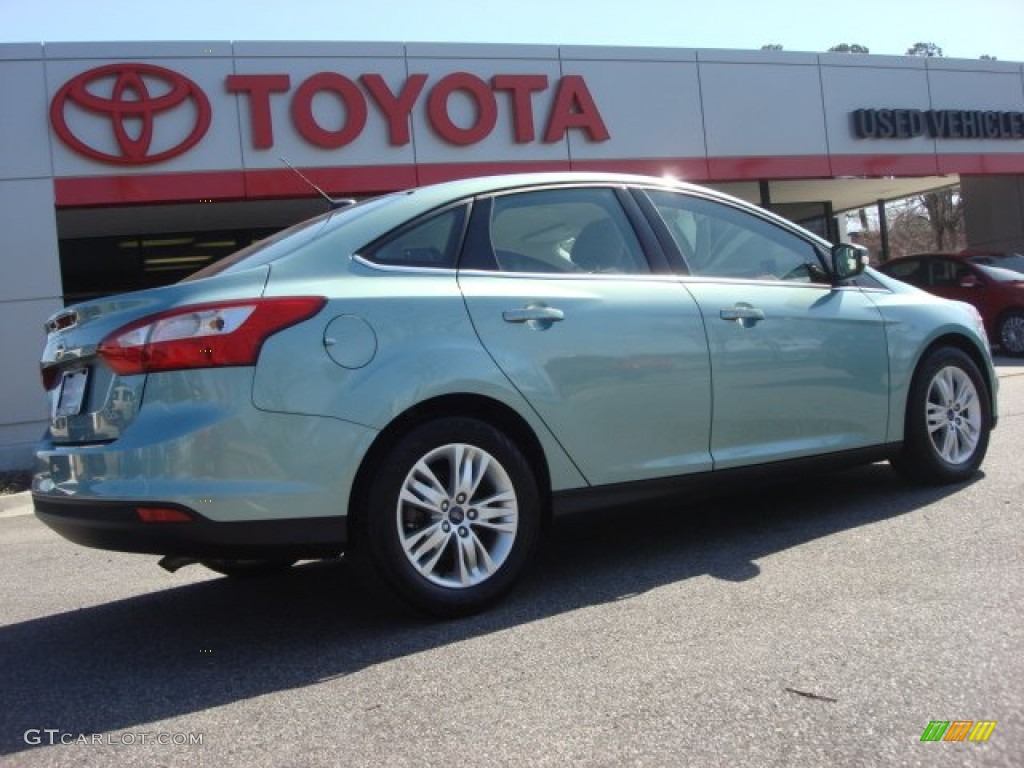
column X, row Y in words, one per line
column 827, row 622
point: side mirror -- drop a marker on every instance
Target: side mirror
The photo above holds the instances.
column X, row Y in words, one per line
column 969, row 281
column 848, row 260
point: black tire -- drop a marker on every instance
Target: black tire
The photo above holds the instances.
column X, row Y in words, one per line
column 463, row 555
column 1010, row 335
column 247, row 569
column 949, row 450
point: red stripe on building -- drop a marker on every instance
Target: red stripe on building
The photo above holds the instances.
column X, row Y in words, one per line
column 683, row 168
column 82, row 191
column 260, row 184
column 432, row 173
column 774, row 167
column 353, row 180
column 975, row 163
column 884, row 165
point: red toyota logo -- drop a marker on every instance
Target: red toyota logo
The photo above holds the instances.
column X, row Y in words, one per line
column 130, row 96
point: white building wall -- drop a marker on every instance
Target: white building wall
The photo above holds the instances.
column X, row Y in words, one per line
column 639, row 77
column 29, row 261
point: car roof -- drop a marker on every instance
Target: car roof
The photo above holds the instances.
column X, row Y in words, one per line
column 935, row 255
column 432, row 194
column 967, row 253
column 435, row 195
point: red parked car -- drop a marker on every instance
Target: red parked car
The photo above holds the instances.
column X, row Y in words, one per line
column 993, row 282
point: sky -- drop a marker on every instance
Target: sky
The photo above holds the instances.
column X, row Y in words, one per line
column 962, row 28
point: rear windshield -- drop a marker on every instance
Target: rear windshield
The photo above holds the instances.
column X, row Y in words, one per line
column 1001, row 275
column 286, row 241
column 1012, row 261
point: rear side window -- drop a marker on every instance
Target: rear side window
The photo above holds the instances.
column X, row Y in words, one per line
column 577, row 230
column 431, row 242
column 947, row 273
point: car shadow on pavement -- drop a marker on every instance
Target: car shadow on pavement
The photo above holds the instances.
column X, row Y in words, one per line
column 166, row 654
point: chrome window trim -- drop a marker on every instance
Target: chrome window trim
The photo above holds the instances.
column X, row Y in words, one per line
column 379, row 267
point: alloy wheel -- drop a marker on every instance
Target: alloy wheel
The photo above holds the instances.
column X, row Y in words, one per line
column 457, row 515
column 953, row 415
column 1011, row 335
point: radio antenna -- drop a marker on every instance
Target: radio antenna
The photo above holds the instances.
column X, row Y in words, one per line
column 333, row 202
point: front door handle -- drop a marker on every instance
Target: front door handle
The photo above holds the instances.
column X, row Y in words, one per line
column 545, row 315
column 743, row 314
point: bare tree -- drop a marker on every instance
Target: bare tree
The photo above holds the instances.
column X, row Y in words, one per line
column 945, row 213
column 912, row 228
column 943, row 209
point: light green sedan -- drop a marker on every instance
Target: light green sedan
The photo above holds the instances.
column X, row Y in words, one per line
column 420, row 380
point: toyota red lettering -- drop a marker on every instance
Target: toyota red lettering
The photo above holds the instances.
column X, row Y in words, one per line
column 351, row 99
column 460, row 108
column 573, row 107
column 522, row 88
column 258, row 88
column 477, row 91
column 396, row 107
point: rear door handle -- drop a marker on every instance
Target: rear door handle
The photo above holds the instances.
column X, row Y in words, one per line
column 743, row 314
column 546, row 315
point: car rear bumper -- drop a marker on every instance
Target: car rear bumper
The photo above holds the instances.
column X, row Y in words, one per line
column 116, row 525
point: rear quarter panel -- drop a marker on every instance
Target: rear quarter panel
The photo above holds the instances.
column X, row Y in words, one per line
column 421, row 346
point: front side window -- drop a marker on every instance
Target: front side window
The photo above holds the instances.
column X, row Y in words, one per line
column 582, row 230
column 718, row 240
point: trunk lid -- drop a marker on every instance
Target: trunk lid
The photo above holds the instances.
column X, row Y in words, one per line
column 89, row 402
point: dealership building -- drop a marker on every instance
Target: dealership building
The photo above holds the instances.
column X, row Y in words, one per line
column 129, row 165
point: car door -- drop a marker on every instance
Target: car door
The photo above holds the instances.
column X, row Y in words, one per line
column 958, row 280
column 610, row 354
column 799, row 366
column 944, row 278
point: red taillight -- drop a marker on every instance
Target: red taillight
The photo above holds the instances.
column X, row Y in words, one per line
column 226, row 333
column 163, row 515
